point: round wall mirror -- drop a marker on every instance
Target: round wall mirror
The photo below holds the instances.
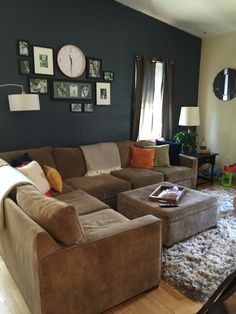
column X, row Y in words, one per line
column 224, row 85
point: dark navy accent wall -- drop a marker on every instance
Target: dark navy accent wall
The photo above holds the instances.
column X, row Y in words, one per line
column 104, row 29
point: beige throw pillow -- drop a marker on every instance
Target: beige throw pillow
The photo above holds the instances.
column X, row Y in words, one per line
column 35, row 173
column 56, row 217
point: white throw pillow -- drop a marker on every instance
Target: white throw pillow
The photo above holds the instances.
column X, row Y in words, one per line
column 35, row 173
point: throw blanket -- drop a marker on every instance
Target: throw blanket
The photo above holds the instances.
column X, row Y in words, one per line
column 101, row 158
column 9, row 178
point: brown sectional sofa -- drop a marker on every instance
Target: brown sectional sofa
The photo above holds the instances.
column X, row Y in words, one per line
column 117, row 258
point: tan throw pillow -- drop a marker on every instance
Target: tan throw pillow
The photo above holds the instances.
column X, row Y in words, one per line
column 35, row 173
column 161, row 158
column 57, row 218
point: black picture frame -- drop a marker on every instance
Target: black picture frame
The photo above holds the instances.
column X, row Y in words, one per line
column 66, row 90
column 23, row 48
column 103, row 93
column 108, row 76
column 76, row 107
column 88, row 107
column 43, row 58
column 93, row 68
column 38, row 85
column 24, row 66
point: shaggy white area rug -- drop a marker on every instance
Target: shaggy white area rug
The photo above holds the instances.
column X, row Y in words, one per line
column 198, row 265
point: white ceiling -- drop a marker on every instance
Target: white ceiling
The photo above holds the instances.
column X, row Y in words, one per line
column 202, row 18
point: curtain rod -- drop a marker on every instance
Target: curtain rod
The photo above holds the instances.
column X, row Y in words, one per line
column 155, row 59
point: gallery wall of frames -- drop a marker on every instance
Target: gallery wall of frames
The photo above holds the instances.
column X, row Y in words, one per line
column 39, row 63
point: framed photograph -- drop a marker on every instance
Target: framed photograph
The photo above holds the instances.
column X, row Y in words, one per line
column 88, row 107
column 94, row 68
column 43, row 60
column 23, row 48
column 76, row 107
column 103, row 93
column 72, row 90
column 24, row 66
column 38, row 85
column 108, row 76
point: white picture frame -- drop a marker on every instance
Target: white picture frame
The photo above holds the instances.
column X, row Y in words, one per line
column 103, row 94
column 43, row 60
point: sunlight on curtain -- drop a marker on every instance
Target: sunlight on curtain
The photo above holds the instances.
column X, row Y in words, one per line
column 150, row 123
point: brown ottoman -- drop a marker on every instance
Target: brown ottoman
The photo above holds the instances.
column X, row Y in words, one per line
column 197, row 211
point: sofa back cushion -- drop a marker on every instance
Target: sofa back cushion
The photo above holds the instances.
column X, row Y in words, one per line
column 69, row 162
column 124, row 150
column 42, row 155
column 56, row 217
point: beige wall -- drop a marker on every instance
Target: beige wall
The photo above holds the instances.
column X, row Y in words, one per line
column 218, row 118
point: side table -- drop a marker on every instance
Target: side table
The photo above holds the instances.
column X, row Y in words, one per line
column 204, row 159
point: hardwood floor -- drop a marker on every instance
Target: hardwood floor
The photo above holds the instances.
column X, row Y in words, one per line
column 163, row 300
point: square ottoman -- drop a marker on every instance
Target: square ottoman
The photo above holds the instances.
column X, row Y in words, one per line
column 197, row 211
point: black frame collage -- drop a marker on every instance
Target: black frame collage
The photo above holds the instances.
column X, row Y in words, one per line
column 37, row 62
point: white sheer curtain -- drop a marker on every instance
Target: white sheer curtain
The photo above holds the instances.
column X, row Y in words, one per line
column 150, row 122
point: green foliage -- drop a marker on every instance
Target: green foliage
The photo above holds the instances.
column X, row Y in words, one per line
column 188, row 140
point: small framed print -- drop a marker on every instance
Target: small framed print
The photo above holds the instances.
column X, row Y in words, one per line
column 38, row 85
column 103, row 93
column 94, row 68
column 88, row 107
column 72, row 90
column 43, row 60
column 24, row 66
column 76, row 107
column 108, row 76
column 23, row 48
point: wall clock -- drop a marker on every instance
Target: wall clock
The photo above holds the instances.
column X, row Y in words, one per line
column 71, row 61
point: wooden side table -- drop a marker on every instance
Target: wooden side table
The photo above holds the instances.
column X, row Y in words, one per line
column 205, row 159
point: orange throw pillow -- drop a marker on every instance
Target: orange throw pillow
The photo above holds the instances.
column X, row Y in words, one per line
column 142, row 157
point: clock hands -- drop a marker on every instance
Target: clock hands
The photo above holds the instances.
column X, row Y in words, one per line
column 71, row 63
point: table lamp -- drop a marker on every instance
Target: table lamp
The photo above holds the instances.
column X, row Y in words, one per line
column 189, row 116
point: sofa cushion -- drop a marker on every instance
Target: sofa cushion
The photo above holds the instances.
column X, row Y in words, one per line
column 175, row 173
column 138, row 177
column 103, row 187
column 142, row 157
column 34, row 172
column 82, row 202
column 101, row 220
column 69, row 162
column 124, row 150
column 42, row 155
column 57, row 218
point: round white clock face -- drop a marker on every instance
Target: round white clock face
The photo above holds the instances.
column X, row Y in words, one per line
column 71, row 61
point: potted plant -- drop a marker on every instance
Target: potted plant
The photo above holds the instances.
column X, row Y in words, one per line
column 188, row 141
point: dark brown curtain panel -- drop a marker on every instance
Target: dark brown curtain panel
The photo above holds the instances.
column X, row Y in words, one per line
column 167, row 132
column 152, row 106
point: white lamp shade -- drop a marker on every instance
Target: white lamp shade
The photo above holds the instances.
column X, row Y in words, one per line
column 189, row 116
column 24, row 102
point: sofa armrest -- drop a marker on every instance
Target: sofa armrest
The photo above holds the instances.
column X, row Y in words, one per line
column 115, row 264
column 190, row 162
